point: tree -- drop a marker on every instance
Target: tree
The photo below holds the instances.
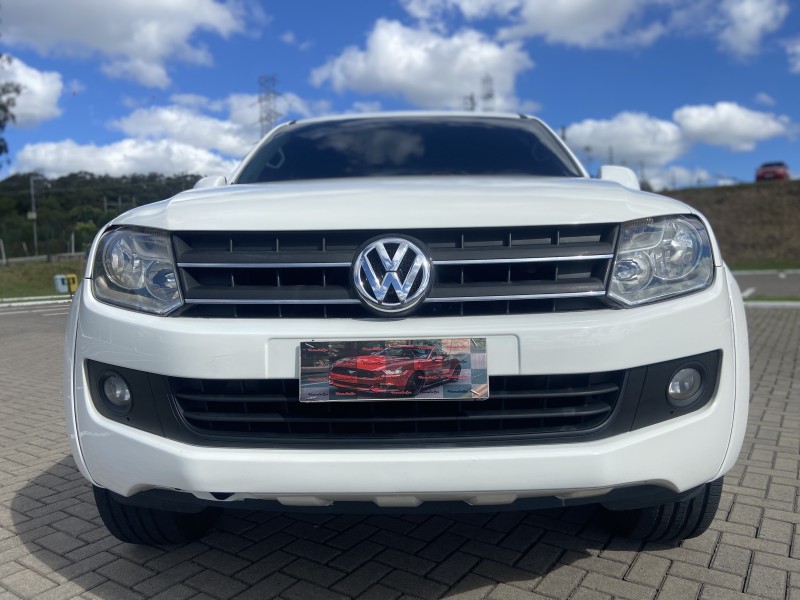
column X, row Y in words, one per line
column 8, row 98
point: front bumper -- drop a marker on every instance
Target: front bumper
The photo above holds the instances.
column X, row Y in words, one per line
column 678, row 454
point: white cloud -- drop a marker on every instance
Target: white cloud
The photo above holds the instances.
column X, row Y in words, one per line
column 427, row 68
column 366, row 107
column 582, row 23
column 585, row 23
column 136, row 37
column 186, row 123
column 739, row 26
column 746, row 22
column 731, row 125
column 629, row 138
column 186, row 126
column 764, row 99
column 675, row 177
column 39, row 95
column 793, row 54
column 471, row 9
column 126, row 157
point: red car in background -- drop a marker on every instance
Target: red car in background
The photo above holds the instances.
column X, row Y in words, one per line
column 772, row 170
column 397, row 370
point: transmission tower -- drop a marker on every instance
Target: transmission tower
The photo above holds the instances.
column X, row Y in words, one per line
column 487, row 93
column 469, row 102
column 267, row 102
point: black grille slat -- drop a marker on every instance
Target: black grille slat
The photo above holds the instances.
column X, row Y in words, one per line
column 444, row 292
column 307, row 274
column 598, row 409
column 519, row 408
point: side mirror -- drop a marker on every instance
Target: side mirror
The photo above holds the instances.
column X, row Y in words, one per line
column 622, row 175
column 211, row 181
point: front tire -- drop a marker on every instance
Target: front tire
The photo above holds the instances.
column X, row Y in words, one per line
column 149, row 526
column 671, row 522
column 415, row 383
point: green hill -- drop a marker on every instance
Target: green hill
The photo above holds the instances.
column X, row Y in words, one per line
column 757, row 225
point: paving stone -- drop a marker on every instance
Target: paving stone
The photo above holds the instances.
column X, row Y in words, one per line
column 72, row 589
column 616, row 587
column 755, row 544
column 125, row 572
column 648, row 570
column 561, row 581
column 406, row 562
column 503, row 573
column 490, row 551
column 766, row 582
column 353, row 536
column 356, row 556
column 312, row 551
column 313, row 572
column 507, row 592
column 166, row 579
column 731, row 559
column 585, row 594
column 215, row 584
column 223, row 562
column 776, row 531
column 266, row 566
column 745, row 514
column 702, row 575
column 675, row 588
column 453, row 568
column 110, row 590
column 27, row 583
column 270, row 587
column 379, row 592
column 409, row 583
column 361, row 579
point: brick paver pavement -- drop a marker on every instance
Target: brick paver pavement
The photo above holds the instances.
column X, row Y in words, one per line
column 53, row 546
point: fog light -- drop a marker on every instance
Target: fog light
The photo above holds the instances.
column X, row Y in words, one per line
column 116, row 393
column 684, row 387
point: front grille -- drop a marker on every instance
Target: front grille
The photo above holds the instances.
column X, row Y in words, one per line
column 485, row 271
column 520, row 409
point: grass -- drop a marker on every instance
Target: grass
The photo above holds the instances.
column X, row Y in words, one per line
column 34, row 279
column 765, row 266
column 771, row 299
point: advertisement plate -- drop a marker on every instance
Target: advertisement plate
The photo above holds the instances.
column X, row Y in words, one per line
column 423, row 369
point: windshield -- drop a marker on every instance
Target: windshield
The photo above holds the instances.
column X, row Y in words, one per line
column 404, row 352
column 409, row 146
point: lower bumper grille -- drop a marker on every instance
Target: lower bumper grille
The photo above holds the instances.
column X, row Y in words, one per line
column 519, row 408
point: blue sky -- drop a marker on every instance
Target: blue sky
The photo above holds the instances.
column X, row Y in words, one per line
column 683, row 91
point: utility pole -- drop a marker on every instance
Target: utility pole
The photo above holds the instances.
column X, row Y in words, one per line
column 32, row 214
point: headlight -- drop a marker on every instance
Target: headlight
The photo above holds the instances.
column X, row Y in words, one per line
column 133, row 268
column 394, row 371
column 659, row 258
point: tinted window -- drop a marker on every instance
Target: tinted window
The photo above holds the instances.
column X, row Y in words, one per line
column 409, row 147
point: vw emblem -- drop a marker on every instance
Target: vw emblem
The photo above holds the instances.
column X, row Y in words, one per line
column 392, row 274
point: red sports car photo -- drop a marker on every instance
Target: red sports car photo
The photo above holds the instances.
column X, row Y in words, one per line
column 397, row 370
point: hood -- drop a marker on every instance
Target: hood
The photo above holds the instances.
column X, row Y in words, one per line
column 401, row 203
